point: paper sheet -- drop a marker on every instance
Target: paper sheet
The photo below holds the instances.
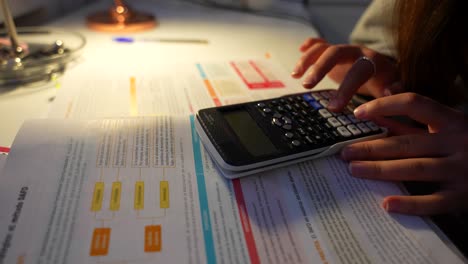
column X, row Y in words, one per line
column 175, row 89
column 144, row 190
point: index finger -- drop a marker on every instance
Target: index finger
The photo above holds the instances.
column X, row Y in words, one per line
column 416, row 107
column 359, row 73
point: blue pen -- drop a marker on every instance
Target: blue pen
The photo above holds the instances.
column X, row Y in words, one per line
column 167, row 40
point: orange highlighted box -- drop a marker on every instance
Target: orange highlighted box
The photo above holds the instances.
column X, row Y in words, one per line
column 153, row 238
column 100, row 242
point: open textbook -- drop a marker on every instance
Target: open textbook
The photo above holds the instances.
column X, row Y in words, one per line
column 144, row 190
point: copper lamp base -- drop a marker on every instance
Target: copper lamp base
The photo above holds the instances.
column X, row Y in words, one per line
column 120, row 18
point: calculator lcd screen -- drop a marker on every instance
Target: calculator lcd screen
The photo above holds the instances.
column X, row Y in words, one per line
column 249, row 133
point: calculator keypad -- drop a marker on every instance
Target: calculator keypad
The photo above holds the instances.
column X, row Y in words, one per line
column 306, row 122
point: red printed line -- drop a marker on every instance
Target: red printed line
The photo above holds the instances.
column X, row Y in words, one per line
column 269, row 83
column 244, row 216
column 240, row 74
column 4, row 149
column 258, row 71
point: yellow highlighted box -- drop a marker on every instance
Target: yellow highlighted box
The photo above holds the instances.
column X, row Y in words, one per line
column 164, row 194
column 100, row 242
column 153, row 238
column 98, row 195
column 115, row 196
column 139, row 203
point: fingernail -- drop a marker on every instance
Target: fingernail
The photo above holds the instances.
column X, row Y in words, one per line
column 333, row 104
column 310, row 81
column 357, row 169
column 387, row 92
column 391, row 206
column 360, row 111
column 347, row 152
column 296, row 71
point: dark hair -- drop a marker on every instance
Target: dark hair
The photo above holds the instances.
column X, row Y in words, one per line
column 431, row 41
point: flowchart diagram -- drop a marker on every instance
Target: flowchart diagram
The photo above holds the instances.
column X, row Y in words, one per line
column 132, row 146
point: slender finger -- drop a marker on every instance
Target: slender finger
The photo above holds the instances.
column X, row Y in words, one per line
column 436, row 203
column 310, row 42
column 398, row 128
column 332, row 56
column 309, row 58
column 359, row 73
column 415, row 169
column 417, row 107
column 398, row 147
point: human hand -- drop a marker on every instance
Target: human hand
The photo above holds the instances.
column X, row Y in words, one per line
column 438, row 154
column 341, row 63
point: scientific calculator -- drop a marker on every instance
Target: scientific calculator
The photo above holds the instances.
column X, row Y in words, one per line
column 252, row 137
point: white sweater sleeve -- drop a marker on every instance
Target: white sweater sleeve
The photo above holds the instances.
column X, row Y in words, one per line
column 374, row 28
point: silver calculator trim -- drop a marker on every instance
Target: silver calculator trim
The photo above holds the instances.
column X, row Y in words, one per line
column 233, row 172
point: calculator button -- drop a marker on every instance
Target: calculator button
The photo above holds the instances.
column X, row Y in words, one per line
column 334, row 122
column 302, row 121
column 372, row 126
column 324, row 103
column 353, row 119
column 261, row 105
column 335, row 134
column 309, row 140
column 325, row 94
column 274, row 102
column 316, row 105
column 301, row 131
column 280, row 109
column 308, row 97
column 318, row 138
column 354, row 130
column 290, row 99
column 267, row 110
column 289, row 135
column 310, row 129
column 304, row 112
column 364, row 128
column 282, row 100
column 277, row 115
column 298, row 98
column 287, row 127
column 324, row 113
column 350, row 107
column 296, row 143
column 316, row 96
column 297, row 106
column 287, row 120
column 288, row 107
column 344, row 120
column 295, row 114
column 305, row 104
column 277, row 122
column 343, row 131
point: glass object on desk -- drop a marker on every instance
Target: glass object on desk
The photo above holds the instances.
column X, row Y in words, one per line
column 120, row 18
column 44, row 54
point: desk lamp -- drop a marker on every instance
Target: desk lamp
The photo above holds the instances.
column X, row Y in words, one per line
column 120, row 18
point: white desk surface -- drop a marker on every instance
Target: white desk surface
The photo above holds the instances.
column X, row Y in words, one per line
column 230, row 35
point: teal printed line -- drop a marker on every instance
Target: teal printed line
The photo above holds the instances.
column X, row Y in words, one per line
column 202, row 72
column 202, row 196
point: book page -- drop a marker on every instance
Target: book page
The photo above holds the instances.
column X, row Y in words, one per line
column 180, row 89
column 144, row 190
